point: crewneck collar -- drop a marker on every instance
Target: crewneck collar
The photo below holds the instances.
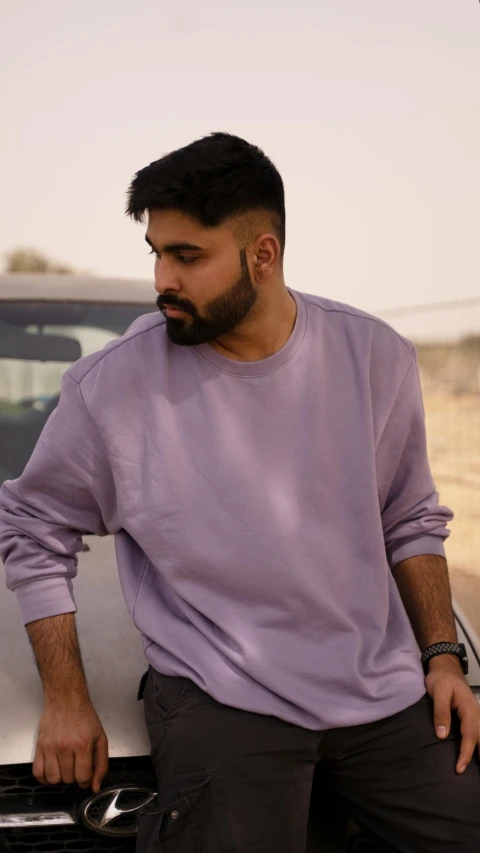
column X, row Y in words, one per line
column 262, row 366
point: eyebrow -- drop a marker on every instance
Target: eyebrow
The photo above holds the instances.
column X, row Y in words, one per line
column 176, row 247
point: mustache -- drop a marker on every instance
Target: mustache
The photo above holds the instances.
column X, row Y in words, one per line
column 171, row 301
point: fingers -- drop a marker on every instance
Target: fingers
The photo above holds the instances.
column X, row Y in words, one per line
column 469, row 728
column 84, row 766
column 66, row 761
column 38, row 767
column 461, row 698
column 53, row 775
column 53, row 767
column 88, row 767
column 71, row 747
column 100, row 762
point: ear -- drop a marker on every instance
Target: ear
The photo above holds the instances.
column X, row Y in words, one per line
column 266, row 256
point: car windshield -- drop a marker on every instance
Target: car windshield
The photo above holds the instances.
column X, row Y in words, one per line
column 38, row 342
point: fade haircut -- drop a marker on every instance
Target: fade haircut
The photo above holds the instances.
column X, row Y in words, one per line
column 218, row 179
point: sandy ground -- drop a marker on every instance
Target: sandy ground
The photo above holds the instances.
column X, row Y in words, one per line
column 453, row 429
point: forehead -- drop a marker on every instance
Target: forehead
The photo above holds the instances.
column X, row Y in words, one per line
column 172, row 226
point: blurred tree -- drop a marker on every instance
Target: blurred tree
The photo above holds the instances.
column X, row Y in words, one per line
column 29, row 260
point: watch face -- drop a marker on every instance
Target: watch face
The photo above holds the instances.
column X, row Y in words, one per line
column 464, row 658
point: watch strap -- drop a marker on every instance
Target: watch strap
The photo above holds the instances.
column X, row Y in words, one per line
column 457, row 649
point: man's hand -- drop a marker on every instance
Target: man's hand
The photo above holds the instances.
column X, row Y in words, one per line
column 71, row 746
column 446, row 685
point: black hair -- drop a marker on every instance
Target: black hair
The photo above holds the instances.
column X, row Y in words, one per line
column 214, row 179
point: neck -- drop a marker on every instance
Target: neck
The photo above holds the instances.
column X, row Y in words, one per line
column 266, row 330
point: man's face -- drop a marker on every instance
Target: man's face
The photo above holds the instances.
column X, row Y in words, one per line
column 202, row 278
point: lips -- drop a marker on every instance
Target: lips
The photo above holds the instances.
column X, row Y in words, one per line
column 172, row 310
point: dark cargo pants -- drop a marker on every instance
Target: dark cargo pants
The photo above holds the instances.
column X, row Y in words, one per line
column 229, row 780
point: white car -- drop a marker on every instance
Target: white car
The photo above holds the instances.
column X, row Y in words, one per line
column 46, row 323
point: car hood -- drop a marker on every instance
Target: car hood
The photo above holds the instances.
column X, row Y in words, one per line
column 113, row 658
column 112, row 653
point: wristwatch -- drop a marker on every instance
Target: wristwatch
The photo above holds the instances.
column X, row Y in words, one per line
column 445, row 649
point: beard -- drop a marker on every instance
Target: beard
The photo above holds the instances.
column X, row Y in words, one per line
column 221, row 315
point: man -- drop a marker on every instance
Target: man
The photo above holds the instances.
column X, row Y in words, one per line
column 260, row 455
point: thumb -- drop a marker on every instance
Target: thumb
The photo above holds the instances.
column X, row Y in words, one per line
column 442, row 712
column 100, row 762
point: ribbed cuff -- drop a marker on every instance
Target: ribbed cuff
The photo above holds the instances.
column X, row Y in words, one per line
column 40, row 599
column 415, row 546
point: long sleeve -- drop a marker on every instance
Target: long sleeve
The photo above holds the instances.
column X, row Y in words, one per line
column 65, row 491
column 413, row 521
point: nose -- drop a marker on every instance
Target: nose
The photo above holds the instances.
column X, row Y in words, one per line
column 165, row 278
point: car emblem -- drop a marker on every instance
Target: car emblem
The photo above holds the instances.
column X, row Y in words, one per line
column 114, row 811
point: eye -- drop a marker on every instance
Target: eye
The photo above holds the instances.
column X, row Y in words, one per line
column 153, row 252
column 184, row 260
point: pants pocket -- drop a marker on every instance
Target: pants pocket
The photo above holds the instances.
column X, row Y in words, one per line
column 168, row 692
column 181, row 820
column 148, row 832
column 141, row 686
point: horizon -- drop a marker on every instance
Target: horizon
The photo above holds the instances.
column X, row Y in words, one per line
column 370, row 113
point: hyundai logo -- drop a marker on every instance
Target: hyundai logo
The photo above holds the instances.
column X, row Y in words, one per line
column 114, row 811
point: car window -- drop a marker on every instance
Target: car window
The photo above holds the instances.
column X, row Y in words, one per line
column 38, row 342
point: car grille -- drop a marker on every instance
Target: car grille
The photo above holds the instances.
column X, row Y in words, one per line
column 63, row 839
column 18, row 780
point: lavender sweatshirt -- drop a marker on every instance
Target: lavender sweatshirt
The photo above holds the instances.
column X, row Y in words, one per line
column 258, row 509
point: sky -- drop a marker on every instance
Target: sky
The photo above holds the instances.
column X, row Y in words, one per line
column 370, row 110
